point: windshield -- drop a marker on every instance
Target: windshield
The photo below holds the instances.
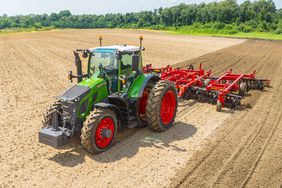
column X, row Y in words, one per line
column 106, row 59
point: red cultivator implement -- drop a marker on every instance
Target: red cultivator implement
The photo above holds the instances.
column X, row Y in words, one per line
column 182, row 78
column 185, row 78
column 225, row 91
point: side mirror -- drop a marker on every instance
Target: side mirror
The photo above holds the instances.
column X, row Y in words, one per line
column 135, row 62
column 84, row 54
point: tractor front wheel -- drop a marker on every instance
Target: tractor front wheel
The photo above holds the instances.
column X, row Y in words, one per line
column 161, row 106
column 47, row 116
column 99, row 131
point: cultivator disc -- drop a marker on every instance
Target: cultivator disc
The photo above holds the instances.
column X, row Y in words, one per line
column 231, row 101
column 201, row 95
column 256, row 84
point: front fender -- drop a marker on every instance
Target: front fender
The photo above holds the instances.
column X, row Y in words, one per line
column 109, row 106
column 114, row 108
column 139, row 84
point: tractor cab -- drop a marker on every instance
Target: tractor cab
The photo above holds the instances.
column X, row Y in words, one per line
column 118, row 65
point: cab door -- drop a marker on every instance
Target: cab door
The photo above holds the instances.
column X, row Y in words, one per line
column 125, row 67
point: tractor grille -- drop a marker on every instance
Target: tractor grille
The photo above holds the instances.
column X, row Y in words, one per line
column 69, row 112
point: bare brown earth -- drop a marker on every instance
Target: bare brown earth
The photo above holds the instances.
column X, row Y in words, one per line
column 204, row 148
column 246, row 150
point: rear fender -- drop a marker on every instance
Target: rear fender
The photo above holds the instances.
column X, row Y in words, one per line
column 137, row 87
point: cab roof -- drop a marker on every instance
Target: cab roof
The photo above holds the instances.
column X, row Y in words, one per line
column 122, row 48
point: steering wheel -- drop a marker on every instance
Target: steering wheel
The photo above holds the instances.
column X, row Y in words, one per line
column 104, row 72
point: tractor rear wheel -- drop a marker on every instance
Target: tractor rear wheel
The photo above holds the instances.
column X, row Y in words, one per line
column 99, row 131
column 48, row 115
column 141, row 106
column 161, row 106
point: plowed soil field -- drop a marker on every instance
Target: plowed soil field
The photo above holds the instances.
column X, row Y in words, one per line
column 205, row 148
column 246, row 150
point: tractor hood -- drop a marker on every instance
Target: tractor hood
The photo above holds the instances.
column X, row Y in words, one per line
column 77, row 91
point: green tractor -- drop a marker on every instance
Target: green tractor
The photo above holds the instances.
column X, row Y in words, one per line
column 113, row 95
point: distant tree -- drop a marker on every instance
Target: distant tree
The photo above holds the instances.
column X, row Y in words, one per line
column 279, row 27
column 260, row 15
column 37, row 25
column 279, row 13
column 64, row 13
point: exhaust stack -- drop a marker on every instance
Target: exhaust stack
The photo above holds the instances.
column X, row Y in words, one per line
column 78, row 67
column 141, row 41
column 100, row 40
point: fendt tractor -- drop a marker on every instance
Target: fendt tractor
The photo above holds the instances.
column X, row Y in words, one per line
column 112, row 95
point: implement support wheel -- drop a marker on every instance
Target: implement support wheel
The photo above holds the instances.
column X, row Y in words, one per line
column 207, row 82
column 161, row 106
column 243, row 89
column 218, row 106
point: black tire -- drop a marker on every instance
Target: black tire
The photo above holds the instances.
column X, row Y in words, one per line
column 141, row 116
column 90, row 127
column 218, row 106
column 48, row 115
column 243, row 89
column 153, row 108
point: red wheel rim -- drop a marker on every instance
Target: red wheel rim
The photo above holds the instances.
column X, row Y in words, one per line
column 168, row 106
column 107, row 124
column 143, row 103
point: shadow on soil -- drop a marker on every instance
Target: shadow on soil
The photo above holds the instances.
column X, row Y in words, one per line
column 128, row 147
column 185, row 103
column 247, row 102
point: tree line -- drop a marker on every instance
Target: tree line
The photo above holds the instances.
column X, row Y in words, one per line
column 226, row 15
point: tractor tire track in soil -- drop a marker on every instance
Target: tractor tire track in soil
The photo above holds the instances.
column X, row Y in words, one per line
column 245, row 151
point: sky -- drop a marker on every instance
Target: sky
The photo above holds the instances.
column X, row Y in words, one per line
column 25, row 7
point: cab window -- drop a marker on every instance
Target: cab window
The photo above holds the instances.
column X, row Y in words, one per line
column 105, row 59
column 126, row 64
